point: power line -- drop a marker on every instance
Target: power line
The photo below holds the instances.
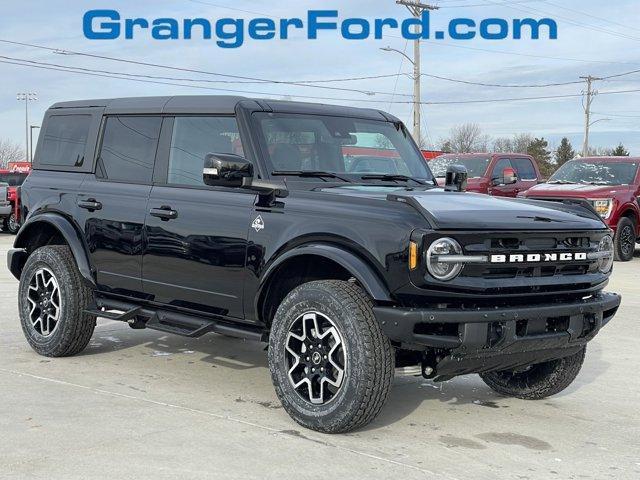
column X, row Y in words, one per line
column 398, row 102
column 566, row 19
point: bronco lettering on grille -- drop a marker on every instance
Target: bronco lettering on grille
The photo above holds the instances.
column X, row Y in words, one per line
column 538, row 257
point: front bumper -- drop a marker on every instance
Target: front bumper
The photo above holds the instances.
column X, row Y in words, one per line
column 491, row 339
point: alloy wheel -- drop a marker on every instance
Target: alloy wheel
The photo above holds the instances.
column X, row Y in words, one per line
column 316, row 358
column 627, row 240
column 43, row 296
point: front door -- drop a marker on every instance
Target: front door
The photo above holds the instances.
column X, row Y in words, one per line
column 196, row 235
column 112, row 204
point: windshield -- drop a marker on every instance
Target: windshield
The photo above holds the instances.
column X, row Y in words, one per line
column 348, row 147
column 476, row 166
column 599, row 173
column 13, row 179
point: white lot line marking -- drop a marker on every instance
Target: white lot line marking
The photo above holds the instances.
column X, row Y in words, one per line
column 274, row 431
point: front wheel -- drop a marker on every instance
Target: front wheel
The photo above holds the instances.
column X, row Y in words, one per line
column 330, row 363
column 625, row 240
column 537, row 381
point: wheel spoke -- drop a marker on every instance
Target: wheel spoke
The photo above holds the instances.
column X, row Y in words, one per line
column 315, row 357
column 44, row 300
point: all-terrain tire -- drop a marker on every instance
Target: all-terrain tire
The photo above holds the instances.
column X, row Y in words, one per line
column 368, row 356
column 624, row 242
column 539, row 381
column 74, row 328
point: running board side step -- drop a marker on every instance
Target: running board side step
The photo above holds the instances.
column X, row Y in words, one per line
column 171, row 322
column 130, row 314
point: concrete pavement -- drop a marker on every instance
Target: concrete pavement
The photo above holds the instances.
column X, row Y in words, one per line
column 145, row 405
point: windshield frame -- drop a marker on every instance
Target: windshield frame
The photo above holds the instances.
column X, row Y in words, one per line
column 268, row 168
column 594, row 162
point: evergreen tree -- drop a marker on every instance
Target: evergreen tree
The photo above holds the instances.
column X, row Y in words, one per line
column 620, row 151
column 564, row 152
column 538, row 150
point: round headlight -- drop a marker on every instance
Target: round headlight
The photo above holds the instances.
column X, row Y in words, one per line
column 606, row 245
column 443, row 270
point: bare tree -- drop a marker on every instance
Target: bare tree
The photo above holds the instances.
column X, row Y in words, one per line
column 467, row 138
column 10, row 152
column 516, row 144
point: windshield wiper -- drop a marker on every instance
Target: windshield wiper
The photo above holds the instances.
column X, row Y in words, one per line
column 387, row 176
column 561, row 182
column 596, row 183
column 309, row 173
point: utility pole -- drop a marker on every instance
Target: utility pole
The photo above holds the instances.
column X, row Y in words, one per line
column 416, row 8
column 590, row 93
column 27, row 97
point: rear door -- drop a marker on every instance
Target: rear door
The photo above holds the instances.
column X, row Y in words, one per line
column 196, row 234
column 497, row 185
column 112, row 204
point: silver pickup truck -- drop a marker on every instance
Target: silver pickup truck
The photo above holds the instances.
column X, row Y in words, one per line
column 5, row 205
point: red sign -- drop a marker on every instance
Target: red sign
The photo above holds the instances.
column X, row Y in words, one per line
column 19, row 167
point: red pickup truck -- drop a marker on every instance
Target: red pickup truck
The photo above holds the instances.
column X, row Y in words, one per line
column 611, row 185
column 13, row 177
column 499, row 174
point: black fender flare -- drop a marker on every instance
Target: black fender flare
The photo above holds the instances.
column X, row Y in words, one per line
column 361, row 270
column 68, row 232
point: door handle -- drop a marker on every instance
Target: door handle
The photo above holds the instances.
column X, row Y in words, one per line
column 90, row 204
column 164, row 213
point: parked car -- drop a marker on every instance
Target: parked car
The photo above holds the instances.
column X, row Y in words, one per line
column 144, row 211
column 611, row 185
column 498, row 174
column 14, row 178
column 5, row 205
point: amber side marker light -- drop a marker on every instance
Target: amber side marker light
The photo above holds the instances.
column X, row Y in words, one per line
column 413, row 255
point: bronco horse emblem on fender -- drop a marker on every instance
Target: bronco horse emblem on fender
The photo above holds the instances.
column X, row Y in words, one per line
column 258, row 223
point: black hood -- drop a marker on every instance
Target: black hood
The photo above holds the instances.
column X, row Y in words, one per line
column 473, row 211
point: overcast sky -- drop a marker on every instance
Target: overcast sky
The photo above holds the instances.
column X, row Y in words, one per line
column 593, row 39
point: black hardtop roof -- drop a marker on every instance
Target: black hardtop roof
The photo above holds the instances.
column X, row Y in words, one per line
column 217, row 104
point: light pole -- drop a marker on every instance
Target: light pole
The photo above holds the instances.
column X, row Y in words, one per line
column 31, row 141
column 27, row 97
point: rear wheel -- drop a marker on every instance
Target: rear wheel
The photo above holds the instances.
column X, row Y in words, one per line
column 625, row 240
column 330, row 363
column 52, row 299
column 537, row 381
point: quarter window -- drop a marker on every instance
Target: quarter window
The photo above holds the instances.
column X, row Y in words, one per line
column 64, row 140
column 129, row 148
column 193, row 138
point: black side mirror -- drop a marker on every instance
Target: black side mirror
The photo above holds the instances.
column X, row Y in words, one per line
column 456, row 179
column 226, row 170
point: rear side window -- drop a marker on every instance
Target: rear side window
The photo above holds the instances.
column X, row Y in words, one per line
column 65, row 139
column 524, row 168
column 128, row 149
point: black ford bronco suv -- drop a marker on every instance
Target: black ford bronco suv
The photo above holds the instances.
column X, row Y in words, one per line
column 318, row 229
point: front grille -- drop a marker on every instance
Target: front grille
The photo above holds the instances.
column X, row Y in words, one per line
column 541, row 243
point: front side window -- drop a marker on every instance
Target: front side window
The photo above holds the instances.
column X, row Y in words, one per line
column 499, row 168
column 192, row 139
column 64, row 140
column 346, row 146
column 597, row 173
column 128, row 150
